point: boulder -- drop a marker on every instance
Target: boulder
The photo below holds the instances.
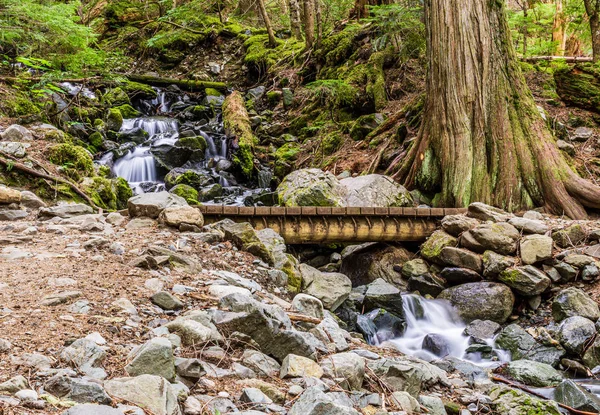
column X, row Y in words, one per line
column 381, row 294
column 16, row 132
column 367, row 262
column 482, row 330
column 375, row 190
column 571, row 394
column 166, row 300
column 177, row 215
column 76, row 389
column 151, row 204
column 308, row 305
column 92, row 409
column 579, row 261
column 245, row 237
column 461, row 258
column 574, row 333
column 66, row 210
column 405, row 402
column 414, row 268
column 314, row 402
column 457, row 224
column 364, row 125
column 262, row 364
column 494, row 264
column 15, row 149
column 574, row 302
column 485, row 212
column 527, row 281
column 533, row 373
column 155, row 357
column 522, row 345
column 388, row 326
column 436, row 344
column 426, row 284
column 294, row 366
column 347, row 369
column 432, row 248
column 529, row 225
column 571, row 235
column 87, row 356
column 456, row 276
column 311, row 187
column 332, row 288
column 498, row 237
column 481, row 301
column 511, row 401
column 31, row 200
column 535, row 248
column 197, row 179
column 151, row 393
column 194, row 329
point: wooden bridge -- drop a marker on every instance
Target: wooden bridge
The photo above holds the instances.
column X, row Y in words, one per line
column 301, row 225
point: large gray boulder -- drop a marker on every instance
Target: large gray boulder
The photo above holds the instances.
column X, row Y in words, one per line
column 535, row 248
column 332, row 288
column 527, row 281
column 347, row 369
column 151, row 204
column 509, row 401
column 571, row 394
column 485, row 212
column 457, row 224
column 76, row 389
column 522, row 345
column 574, row 332
column 533, row 373
column 461, row 258
column 151, row 393
column 155, row 357
column 246, row 238
column 498, row 237
column 375, row 190
column 481, row 301
column 311, row 187
column 574, row 302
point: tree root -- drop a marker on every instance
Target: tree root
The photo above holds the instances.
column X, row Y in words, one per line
column 9, row 162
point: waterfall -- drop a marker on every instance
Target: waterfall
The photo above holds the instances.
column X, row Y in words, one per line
column 152, row 125
column 137, row 166
column 73, row 90
column 161, row 102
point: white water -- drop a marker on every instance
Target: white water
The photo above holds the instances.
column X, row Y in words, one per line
column 425, row 317
column 73, row 90
column 137, row 166
column 161, row 130
column 161, row 102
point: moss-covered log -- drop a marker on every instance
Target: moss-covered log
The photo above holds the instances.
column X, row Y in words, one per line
column 482, row 138
column 238, row 128
column 186, row 84
column 579, row 86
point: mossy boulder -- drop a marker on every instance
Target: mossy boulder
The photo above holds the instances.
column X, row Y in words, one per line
column 192, row 143
column 432, row 248
column 311, row 187
column 127, row 111
column 114, row 119
column 210, row 192
column 96, row 139
column 136, row 90
column 187, row 192
column 364, row 125
column 75, row 160
column 273, row 97
column 331, row 142
column 574, row 302
column 186, row 149
column 114, row 97
column 193, row 178
column 481, row 301
column 212, row 92
column 510, row 401
column 287, row 152
column 108, row 194
column 533, row 373
column 579, row 86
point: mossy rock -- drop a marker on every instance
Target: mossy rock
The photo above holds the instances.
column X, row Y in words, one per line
column 195, row 179
column 114, row 97
column 114, row 119
column 212, row 92
column 273, row 97
column 331, row 142
column 187, row 192
column 260, row 57
column 95, row 139
column 123, row 191
column 108, row 194
column 138, row 90
column 431, row 249
column 127, row 111
column 75, row 160
column 364, row 125
column 193, row 143
column 237, row 124
column 287, row 152
column 210, row 192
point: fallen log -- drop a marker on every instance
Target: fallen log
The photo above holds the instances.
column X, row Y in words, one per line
column 8, row 161
column 187, row 84
column 568, row 59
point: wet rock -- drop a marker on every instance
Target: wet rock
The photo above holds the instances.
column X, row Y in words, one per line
column 499, row 237
column 535, row 248
column 179, row 215
column 414, row 268
column 380, row 294
column 461, row 258
column 76, row 389
column 527, row 280
column 67, row 210
column 482, row 330
column 331, row 288
column 513, row 401
column 432, row 248
column 571, row 394
column 166, row 301
column 426, row 284
column 574, row 332
column 314, row 402
column 485, row 212
column 149, row 392
column 481, row 301
column 294, row 366
column 529, row 225
column 311, row 187
column 436, row 344
column 533, row 373
column 522, row 345
column 570, row 236
column 375, row 190
column 151, row 204
column 387, row 325
column 155, row 357
column 347, row 369
column 262, row 364
column 457, row 224
column 574, row 302
column 494, row 264
column 455, row 276
column 308, row 305
column 368, row 262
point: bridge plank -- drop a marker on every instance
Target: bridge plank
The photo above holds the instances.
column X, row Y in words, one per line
column 423, row 212
column 262, row 210
column 325, row 211
column 279, row 211
column 382, row 211
column 214, row 209
column 230, row 210
column 437, row 212
column 293, row 211
column 367, row 211
column 396, row 211
column 338, row 211
column 353, row 211
column 309, row 211
column 246, row 210
column 408, row 211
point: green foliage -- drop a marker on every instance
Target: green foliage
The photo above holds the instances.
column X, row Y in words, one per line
column 187, row 192
column 75, row 160
column 338, row 47
column 32, row 30
column 333, row 93
column 261, row 57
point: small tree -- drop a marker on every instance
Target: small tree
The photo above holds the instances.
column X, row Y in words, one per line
column 263, row 13
column 592, row 8
column 295, row 23
column 309, row 22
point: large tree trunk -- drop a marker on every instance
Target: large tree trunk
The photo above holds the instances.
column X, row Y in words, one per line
column 295, row 24
column 559, row 32
column 265, row 17
column 592, row 8
column 482, row 137
column 309, row 22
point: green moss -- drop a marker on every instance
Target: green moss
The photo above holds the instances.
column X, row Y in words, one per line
column 287, row 152
column 429, row 176
column 127, row 111
column 101, row 192
column 432, row 247
column 74, row 159
column 138, row 90
column 213, row 92
column 339, row 47
column 123, row 192
column 237, row 123
column 194, row 143
column 331, row 142
column 114, row 119
column 96, row 139
column 104, row 171
column 187, row 192
column 273, row 97
column 261, row 58
column 114, row 97
column 370, row 75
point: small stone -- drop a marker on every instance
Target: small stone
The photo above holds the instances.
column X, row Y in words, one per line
column 298, row 366
column 536, row 248
column 255, row 396
column 166, row 301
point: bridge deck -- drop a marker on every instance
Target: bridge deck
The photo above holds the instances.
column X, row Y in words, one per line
column 299, row 225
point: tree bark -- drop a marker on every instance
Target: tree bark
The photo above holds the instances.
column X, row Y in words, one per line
column 295, row 24
column 309, row 22
column 482, row 137
column 319, row 21
column 263, row 13
column 559, row 33
column 592, row 8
